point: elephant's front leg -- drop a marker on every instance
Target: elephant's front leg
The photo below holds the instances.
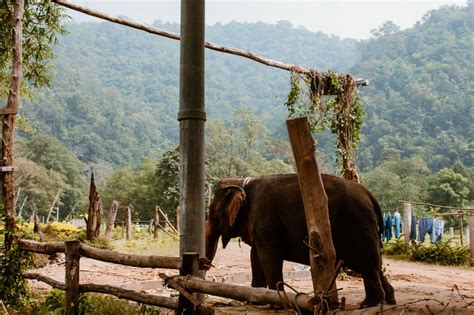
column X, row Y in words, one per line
column 271, row 261
column 258, row 275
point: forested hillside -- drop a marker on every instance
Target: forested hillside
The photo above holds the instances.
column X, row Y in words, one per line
column 421, row 97
column 114, row 98
column 115, row 91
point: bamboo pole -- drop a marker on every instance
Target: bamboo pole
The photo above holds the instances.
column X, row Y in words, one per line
column 216, row 47
column 52, row 206
column 322, row 253
column 471, row 234
column 167, row 220
column 8, row 126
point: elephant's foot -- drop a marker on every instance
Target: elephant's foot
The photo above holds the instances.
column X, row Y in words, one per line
column 390, row 299
column 370, row 302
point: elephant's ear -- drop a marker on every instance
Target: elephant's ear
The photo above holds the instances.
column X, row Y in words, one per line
column 236, row 201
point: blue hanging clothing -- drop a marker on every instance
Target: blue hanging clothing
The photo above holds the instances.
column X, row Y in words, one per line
column 438, row 230
column 382, row 233
column 413, row 228
column 388, row 229
column 396, row 224
column 425, row 225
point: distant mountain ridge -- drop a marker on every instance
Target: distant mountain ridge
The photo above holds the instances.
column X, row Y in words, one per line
column 114, row 97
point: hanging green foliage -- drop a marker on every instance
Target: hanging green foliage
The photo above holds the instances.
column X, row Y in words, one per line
column 330, row 102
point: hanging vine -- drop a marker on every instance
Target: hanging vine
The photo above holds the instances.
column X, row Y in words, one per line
column 333, row 105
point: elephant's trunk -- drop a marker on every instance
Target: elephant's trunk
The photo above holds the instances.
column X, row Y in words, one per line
column 212, row 239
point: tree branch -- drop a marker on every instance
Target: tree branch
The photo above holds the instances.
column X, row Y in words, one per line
column 224, row 49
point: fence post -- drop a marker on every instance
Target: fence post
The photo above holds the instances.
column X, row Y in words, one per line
column 189, row 266
column 72, row 276
column 471, row 233
column 156, row 223
column 128, row 222
column 407, row 221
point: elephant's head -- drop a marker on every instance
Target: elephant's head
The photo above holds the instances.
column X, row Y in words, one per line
column 229, row 197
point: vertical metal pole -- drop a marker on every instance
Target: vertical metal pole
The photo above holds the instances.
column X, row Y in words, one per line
column 192, row 118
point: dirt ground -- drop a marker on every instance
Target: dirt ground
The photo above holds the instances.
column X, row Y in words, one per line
column 420, row 288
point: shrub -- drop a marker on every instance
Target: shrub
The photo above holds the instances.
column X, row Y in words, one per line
column 60, row 231
column 441, row 253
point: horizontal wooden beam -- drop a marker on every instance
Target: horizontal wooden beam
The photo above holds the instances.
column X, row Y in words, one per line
column 224, row 49
column 145, row 261
column 42, row 248
column 8, row 111
column 40, row 277
column 140, row 297
column 145, row 298
column 244, row 293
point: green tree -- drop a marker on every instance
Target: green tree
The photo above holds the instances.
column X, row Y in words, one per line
column 47, row 166
column 42, row 22
column 450, row 187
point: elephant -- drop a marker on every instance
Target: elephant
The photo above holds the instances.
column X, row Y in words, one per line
column 268, row 214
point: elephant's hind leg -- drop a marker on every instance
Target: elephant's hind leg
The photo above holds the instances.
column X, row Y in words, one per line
column 258, row 275
column 374, row 293
column 389, row 291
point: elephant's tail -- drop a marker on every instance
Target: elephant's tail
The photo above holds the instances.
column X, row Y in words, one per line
column 378, row 213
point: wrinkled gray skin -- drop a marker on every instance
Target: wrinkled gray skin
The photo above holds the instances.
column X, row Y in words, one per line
column 268, row 214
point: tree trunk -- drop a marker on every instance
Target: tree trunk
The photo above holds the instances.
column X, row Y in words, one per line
column 8, row 127
column 95, row 212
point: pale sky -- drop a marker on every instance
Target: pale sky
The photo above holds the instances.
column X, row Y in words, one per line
column 346, row 19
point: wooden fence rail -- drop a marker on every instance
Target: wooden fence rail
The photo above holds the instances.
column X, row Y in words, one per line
column 187, row 284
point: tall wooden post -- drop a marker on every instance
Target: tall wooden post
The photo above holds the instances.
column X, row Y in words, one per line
column 156, row 223
column 407, row 220
column 8, row 126
column 471, row 233
column 128, row 223
column 322, row 253
column 192, row 118
column 111, row 219
column 461, row 229
column 73, row 256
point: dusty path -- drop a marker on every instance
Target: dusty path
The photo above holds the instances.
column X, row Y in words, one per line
column 413, row 282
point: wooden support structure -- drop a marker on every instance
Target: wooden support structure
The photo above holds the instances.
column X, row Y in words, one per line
column 321, row 248
column 407, row 221
column 156, row 223
column 189, row 267
column 471, row 234
column 73, row 257
column 128, row 223
column 8, row 126
column 167, row 220
column 111, row 219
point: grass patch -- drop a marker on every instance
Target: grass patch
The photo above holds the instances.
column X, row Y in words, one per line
column 42, row 303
